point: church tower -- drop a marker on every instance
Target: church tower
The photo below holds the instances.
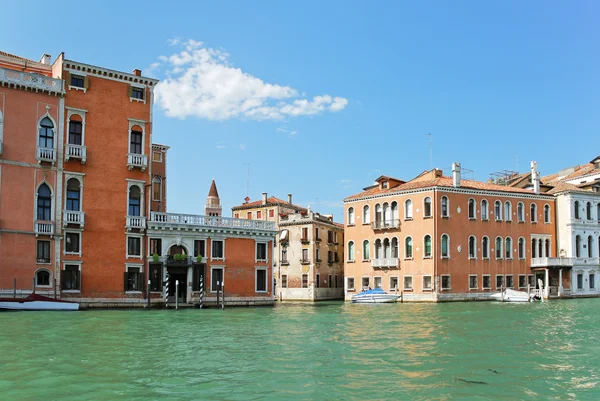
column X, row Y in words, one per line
column 213, row 203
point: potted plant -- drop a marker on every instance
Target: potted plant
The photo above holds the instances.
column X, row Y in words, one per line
column 198, row 258
column 155, row 258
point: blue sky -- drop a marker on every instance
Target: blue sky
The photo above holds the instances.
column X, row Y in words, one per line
column 487, row 79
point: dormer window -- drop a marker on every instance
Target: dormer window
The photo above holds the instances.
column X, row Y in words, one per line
column 137, row 94
column 384, row 185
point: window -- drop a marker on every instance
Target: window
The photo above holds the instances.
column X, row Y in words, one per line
column 329, row 281
column 498, row 248
column 43, row 252
column 73, row 195
column 156, row 189
column 427, row 207
column 533, row 248
column 44, row 203
column 427, row 246
column 134, row 246
column 42, row 278
column 75, row 129
column 336, row 281
column 426, row 283
column 236, row 215
column 509, row 281
column 472, row 209
column 533, row 213
column 317, row 255
column 408, row 252
column 592, row 280
column 46, row 134
column 366, row 250
column 590, row 246
column 394, row 213
column 580, row 281
column 507, row 211
column 366, row 217
column 216, row 278
column 249, row 215
column 445, row 282
column 598, row 211
column 259, row 214
column 499, row 281
column 445, row 207
column 522, row 281
column 157, row 157
column 547, row 243
column 520, row 212
column 336, row 257
column 485, row 248
column 156, row 246
column 284, row 281
column 261, row 280
column 305, row 281
column 576, row 209
column 531, row 280
column 261, row 252
column 508, row 248
column 350, row 283
column 365, row 282
column 217, row 250
column 77, row 81
column 484, row 210
column 351, row 251
column 72, row 242
column 578, row 246
column 498, row 210
column 377, row 282
column 588, row 211
column 472, row 247
column 351, row 216
column 445, row 250
column 408, row 282
column 135, row 201
column 395, row 253
column 473, row 281
column 305, row 255
column 70, row 278
column 408, row 214
column 384, row 185
column 271, row 213
column 393, row 283
column 487, row 282
column 521, row 248
column 134, row 279
column 135, row 145
column 137, row 93
column 284, row 258
column 317, row 234
column 546, row 213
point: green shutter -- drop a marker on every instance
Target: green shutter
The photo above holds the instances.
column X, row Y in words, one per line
column 67, row 78
column 129, row 90
column 86, row 82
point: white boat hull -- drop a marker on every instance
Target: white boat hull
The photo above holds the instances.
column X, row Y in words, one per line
column 375, row 299
column 39, row 305
column 512, row 296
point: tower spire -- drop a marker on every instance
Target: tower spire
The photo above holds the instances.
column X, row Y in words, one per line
column 213, row 202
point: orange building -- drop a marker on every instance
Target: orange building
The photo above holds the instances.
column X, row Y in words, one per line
column 437, row 238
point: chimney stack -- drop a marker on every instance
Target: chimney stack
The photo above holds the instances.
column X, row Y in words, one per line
column 264, row 198
column 289, row 198
column 45, row 59
column 456, row 174
column 137, row 73
column 535, row 178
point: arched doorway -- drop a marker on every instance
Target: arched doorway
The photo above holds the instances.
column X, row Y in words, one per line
column 178, row 266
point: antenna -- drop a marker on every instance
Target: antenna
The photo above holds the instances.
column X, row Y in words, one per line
column 430, row 151
column 248, row 182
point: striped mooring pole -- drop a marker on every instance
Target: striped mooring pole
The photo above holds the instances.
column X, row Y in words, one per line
column 167, row 291
column 201, row 291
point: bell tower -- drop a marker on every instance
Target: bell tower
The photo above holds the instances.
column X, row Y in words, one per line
column 213, row 203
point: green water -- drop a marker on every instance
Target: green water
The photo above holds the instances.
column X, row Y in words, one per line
column 542, row 351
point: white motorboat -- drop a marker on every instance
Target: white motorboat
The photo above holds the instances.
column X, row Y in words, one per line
column 376, row 296
column 508, row 295
column 36, row 302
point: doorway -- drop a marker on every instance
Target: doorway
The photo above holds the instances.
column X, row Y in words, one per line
column 178, row 273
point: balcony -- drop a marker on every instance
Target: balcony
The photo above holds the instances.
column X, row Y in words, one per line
column 304, row 241
column 135, row 223
column 552, row 262
column 73, row 217
column 305, row 261
column 45, row 155
column 317, row 239
column 135, row 160
column 44, row 228
column 386, row 225
column 75, row 152
column 175, row 220
column 385, row 262
column 178, row 260
column 19, row 79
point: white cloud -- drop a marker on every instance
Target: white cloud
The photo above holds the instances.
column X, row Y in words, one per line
column 221, row 147
column 173, row 41
column 199, row 81
column 287, row 131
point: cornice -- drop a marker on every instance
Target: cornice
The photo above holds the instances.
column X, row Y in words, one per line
column 75, row 67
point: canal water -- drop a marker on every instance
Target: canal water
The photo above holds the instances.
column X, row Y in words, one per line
column 332, row 351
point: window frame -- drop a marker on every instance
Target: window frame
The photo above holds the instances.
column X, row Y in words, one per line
column 498, row 210
column 157, row 181
column 348, row 280
column 508, row 250
column 212, row 269
column 256, row 247
column 425, row 254
column 362, row 281
column 256, row 282
column 547, row 215
column 524, row 276
column 366, row 214
column 410, row 277
column 76, row 264
column 471, row 288
column 427, row 203
column 485, row 247
column 512, row 281
column 284, row 281
column 430, row 277
column 483, row 277
column 127, row 238
column 499, row 249
column 71, row 232
column 447, row 256
column 160, row 156
column 520, row 212
column 484, row 216
column 351, row 251
column 472, row 252
column 408, row 210
column 351, row 216
column 212, row 257
column 533, row 212
column 472, row 209
column 508, row 211
column 50, row 280
column 449, row 286
column 397, row 283
column 503, row 282
column 42, row 261
column 444, row 207
column 407, row 247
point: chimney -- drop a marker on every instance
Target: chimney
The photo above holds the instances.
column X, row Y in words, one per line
column 289, row 198
column 137, row 73
column 535, row 178
column 45, row 59
column 456, row 174
column 264, row 198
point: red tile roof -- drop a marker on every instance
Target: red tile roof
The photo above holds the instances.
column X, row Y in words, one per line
column 5, row 54
column 213, row 190
column 271, row 201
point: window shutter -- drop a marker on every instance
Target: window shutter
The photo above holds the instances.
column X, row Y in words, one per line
column 144, row 93
column 86, row 82
column 78, row 279
column 125, row 280
column 141, row 282
column 63, row 279
column 67, row 77
column 130, row 91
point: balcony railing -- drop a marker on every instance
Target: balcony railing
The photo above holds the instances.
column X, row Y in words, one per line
column 386, row 224
column 179, row 260
column 166, row 219
column 76, row 152
column 304, row 241
column 46, row 155
column 135, row 160
column 552, row 262
column 44, row 227
column 304, row 261
column 135, row 222
column 384, row 262
column 30, row 80
column 73, row 217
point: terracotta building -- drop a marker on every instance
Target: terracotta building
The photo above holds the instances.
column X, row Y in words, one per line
column 437, row 238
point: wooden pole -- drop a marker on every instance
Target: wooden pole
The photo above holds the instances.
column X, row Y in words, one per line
column 223, row 291
column 201, row 305
column 176, row 294
column 14, row 288
column 55, row 283
column 148, row 293
column 33, row 281
column 218, row 288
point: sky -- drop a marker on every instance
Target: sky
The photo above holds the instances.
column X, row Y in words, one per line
column 319, row 98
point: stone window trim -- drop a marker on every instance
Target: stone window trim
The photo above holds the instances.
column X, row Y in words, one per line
column 211, row 249
column 82, row 74
column 350, row 280
column 79, row 177
column 449, row 288
column 64, row 267
column 136, row 123
column 471, row 288
column 127, row 255
column 256, row 270
column 404, row 282
column 133, row 86
column 72, row 231
column 483, row 287
column 50, row 280
column 71, row 111
column 134, row 266
column 216, row 267
column 430, row 288
column 256, row 244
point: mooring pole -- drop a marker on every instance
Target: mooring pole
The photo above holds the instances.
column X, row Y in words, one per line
column 218, row 288
column 176, row 294
column 167, row 291
column 201, row 305
column 14, row 288
column 55, row 283
column 148, row 294
column 223, row 291
column 33, row 285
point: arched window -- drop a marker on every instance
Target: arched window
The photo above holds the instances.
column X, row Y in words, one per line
column 498, row 248
column 590, row 246
column 547, row 242
column 366, row 214
column 135, row 201
column 42, row 277
column 533, row 213
column 156, row 189
column 378, row 249
column 588, row 210
column 350, row 216
column 485, row 248
column 472, row 247
column 541, row 248
column 387, row 250
column 445, row 207
column 546, row 213
column 576, row 209
column 366, row 250
column 472, row 208
column 408, row 209
column 73, row 195
column 394, row 213
column 520, row 212
column 386, row 214
column 508, row 248
column 136, row 140
column 75, row 130
column 408, row 252
column 351, row 251
column 507, row 211
column 534, row 248
column 378, row 215
column 427, row 246
column 46, row 134
column 427, row 207
column 498, row 210
column 484, row 210
column 395, row 248
column 521, row 248
column 44, row 203
column 445, row 246
column 578, row 246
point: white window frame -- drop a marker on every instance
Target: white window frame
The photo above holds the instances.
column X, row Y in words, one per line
column 138, row 86
column 519, row 280
column 508, row 216
column 486, row 216
column 52, row 200
column 212, row 268
column 483, row 281
column 408, row 209
column 430, row 288
column 442, row 246
column 256, row 259
column 351, row 216
column 549, row 221
column 496, row 281
column 412, row 284
column 366, row 214
column 266, row 270
column 286, row 281
column 449, row 288
column 72, row 263
column 78, row 88
column 524, row 256
column 348, row 288
column 431, row 252
column 127, row 255
column 474, row 257
column 50, row 280
column 397, row 283
column 511, row 250
column 474, row 217
column 521, row 219
column 506, row 281
column 159, row 153
column 447, row 215
column 79, row 177
column 412, row 250
column 486, row 248
column 54, row 132
column 49, row 249
column 375, row 282
column 71, row 111
column 529, row 277
column 498, row 216
column 476, row 282
column 141, row 185
column 72, row 231
column 501, row 248
column 430, row 215
column 366, row 259
column 368, row 282
column 533, row 217
column 134, row 266
column 350, row 255
column 302, row 280
column 142, row 124
column 212, row 257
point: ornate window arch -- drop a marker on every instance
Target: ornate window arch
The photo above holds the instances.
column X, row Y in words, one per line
column 366, row 250
column 484, row 209
column 445, row 203
column 350, row 251
column 408, row 247
column 44, row 202
column 427, row 246
column 135, row 196
column 366, row 217
column 498, row 247
column 521, row 248
column 507, row 211
column 472, row 247
column 408, row 210
column 533, row 211
column 427, row 207
column 520, row 212
column 472, row 209
column 508, row 248
column 498, row 210
column 485, row 247
column 350, row 216
column 445, row 248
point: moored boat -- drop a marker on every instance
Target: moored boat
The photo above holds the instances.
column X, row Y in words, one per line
column 509, row 295
column 376, row 296
column 36, row 302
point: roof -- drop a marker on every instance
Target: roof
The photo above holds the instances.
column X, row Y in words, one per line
column 5, row 54
column 271, row 201
column 565, row 186
column 213, row 190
